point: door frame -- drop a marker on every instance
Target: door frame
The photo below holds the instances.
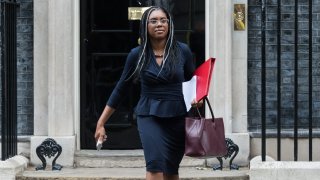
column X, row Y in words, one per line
column 82, row 34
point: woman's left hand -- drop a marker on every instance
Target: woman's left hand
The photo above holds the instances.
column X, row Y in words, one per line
column 196, row 104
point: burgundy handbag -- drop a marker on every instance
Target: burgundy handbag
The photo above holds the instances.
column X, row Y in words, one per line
column 205, row 137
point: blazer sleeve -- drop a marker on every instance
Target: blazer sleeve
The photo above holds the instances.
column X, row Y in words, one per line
column 120, row 90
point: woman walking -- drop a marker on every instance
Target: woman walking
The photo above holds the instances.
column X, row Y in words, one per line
column 161, row 64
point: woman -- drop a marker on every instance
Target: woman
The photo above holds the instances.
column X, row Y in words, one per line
column 161, row 64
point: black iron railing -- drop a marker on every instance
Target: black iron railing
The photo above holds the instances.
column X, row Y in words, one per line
column 8, row 47
column 295, row 83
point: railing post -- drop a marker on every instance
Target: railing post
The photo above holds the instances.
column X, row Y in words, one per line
column 296, row 124
column 279, row 112
column 310, row 81
column 8, row 50
column 263, row 79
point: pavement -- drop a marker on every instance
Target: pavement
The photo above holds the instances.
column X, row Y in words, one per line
column 80, row 173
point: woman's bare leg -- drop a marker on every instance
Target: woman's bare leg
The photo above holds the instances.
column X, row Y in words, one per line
column 160, row 176
column 154, row 176
column 170, row 177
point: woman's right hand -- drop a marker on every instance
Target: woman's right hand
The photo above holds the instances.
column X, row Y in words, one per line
column 100, row 134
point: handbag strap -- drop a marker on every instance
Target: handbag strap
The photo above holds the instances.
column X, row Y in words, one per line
column 206, row 100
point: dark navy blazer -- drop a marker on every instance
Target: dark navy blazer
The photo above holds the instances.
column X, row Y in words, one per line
column 161, row 94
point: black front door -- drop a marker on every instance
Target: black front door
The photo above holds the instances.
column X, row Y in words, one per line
column 107, row 36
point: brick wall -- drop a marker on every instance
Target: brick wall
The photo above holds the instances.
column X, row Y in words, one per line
column 25, row 67
column 287, row 63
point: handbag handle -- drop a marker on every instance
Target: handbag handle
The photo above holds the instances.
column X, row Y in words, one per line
column 210, row 108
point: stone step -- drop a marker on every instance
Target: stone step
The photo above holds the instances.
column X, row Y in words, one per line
column 186, row 173
column 122, row 159
column 126, row 165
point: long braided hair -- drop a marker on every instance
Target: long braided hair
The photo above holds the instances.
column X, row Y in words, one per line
column 170, row 51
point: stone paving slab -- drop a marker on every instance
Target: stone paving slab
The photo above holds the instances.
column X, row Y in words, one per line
column 186, row 173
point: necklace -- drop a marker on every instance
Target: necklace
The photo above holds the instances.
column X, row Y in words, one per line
column 158, row 55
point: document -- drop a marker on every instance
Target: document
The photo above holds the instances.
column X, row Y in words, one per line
column 189, row 91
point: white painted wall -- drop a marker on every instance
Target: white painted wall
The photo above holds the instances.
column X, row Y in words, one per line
column 228, row 91
column 56, row 72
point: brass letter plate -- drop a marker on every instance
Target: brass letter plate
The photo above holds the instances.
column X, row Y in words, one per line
column 135, row 13
column 239, row 14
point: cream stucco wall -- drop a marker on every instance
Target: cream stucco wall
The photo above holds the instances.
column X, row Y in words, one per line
column 228, row 91
column 56, row 90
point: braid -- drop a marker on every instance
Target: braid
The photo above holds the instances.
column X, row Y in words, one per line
column 170, row 50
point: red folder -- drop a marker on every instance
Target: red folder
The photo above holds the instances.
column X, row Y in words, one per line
column 203, row 74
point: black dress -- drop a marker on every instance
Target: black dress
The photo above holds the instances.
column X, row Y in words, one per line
column 161, row 108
